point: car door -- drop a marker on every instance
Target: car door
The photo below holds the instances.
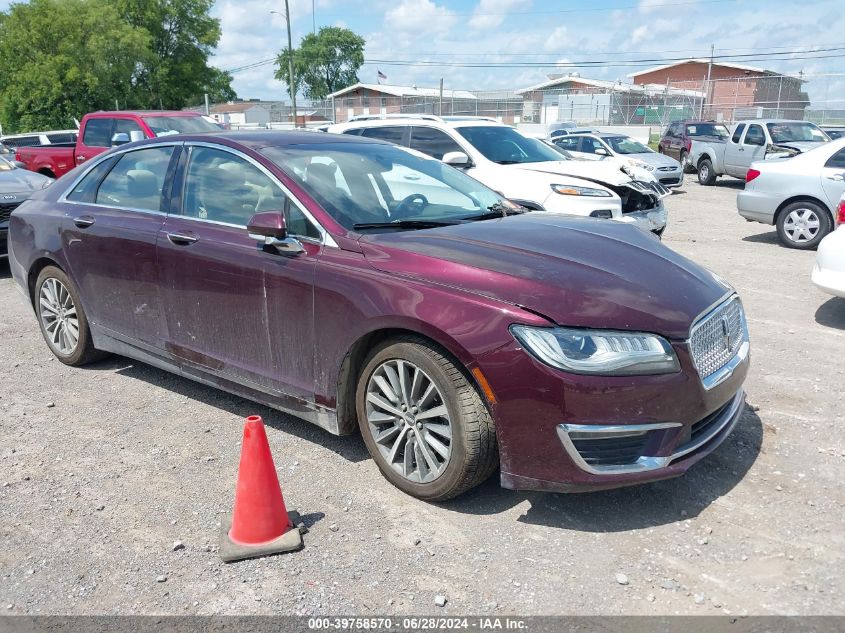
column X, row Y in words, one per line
column 833, row 178
column 233, row 309
column 752, row 147
column 587, row 148
column 112, row 220
column 96, row 138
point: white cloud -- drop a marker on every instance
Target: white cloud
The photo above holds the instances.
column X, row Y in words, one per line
column 419, row 17
column 557, row 40
column 650, row 6
column 492, row 13
column 654, row 29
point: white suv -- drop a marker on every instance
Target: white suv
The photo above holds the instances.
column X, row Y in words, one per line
column 524, row 169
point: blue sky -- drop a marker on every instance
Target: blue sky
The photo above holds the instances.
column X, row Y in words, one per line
column 536, row 31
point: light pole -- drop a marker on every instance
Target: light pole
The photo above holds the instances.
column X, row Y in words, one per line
column 291, row 82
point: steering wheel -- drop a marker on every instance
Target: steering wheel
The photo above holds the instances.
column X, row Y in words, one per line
column 405, row 209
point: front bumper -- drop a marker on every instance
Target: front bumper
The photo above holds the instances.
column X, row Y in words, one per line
column 671, row 178
column 654, row 220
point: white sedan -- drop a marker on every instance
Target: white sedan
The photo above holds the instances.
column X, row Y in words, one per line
column 798, row 194
column 829, row 271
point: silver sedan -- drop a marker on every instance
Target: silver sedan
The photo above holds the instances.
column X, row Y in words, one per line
column 798, row 195
column 667, row 171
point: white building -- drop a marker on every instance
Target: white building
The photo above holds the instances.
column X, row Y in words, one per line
column 241, row 113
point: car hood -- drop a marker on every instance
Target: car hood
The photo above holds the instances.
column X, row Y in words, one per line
column 578, row 272
column 800, row 146
column 20, row 182
column 595, row 170
column 656, row 159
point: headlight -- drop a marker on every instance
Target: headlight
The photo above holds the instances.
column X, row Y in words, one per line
column 603, row 352
column 642, row 165
column 567, row 190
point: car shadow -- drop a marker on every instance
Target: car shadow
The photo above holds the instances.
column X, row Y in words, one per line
column 729, row 183
column 769, row 237
column 351, row 447
column 632, row 508
column 832, row 313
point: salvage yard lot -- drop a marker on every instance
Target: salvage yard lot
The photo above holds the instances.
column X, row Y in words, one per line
column 102, row 469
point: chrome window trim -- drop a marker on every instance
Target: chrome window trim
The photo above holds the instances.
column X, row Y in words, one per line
column 89, row 167
column 723, row 373
column 325, row 237
column 728, row 421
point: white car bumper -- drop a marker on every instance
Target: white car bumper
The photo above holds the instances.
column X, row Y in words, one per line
column 829, row 271
column 758, row 206
column 654, row 220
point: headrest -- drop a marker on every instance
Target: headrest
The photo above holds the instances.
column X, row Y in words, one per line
column 320, row 172
column 141, row 183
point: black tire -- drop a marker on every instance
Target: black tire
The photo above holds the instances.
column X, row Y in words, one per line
column 474, row 453
column 84, row 352
column 808, row 211
column 682, row 158
column 706, row 175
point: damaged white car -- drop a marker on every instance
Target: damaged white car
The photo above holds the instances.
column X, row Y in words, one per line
column 525, row 170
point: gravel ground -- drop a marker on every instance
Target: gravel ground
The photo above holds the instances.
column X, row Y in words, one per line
column 102, row 469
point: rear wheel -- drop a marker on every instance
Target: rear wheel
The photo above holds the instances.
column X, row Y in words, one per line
column 423, row 422
column 62, row 319
column 803, row 225
column 706, row 175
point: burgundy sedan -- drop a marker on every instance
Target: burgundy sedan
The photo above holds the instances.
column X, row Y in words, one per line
column 363, row 286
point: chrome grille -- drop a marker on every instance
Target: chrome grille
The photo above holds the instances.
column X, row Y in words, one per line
column 718, row 337
column 6, row 210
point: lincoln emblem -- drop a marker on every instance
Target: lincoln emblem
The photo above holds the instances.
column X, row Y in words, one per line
column 726, row 333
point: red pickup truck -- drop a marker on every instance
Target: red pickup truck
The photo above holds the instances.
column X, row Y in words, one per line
column 101, row 131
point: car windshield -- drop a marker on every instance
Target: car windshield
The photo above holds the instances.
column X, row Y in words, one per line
column 360, row 183
column 506, row 146
column 626, row 145
column 166, row 125
column 707, row 129
column 797, row 131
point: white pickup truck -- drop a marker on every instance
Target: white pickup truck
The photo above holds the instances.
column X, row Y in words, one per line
column 751, row 141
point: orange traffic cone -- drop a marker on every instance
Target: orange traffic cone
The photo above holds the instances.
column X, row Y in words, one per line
column 260, row 524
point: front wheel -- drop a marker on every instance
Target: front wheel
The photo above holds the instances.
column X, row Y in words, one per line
column 62, row 319
column 803, row 225
column 706, row 175
column 683, row 160
column 423, row 422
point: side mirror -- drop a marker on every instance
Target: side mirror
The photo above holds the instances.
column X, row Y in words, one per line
column 268, row 228
column 120, row 138
column 19, row 164
column 601, row 151
column 137, row 135
column 457, row 159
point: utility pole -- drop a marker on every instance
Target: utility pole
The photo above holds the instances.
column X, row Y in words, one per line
column 440, row 107
column 291, row 81
column 207, row 111
column 707, row 83
column 314, row 17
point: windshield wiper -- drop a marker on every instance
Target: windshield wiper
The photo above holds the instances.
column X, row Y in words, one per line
column 497, row 210
column 403, row 224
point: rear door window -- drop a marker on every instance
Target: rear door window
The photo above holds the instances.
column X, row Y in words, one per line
column 392, row 133
column 433, row 142
column 567, row 142
column 837, row 161
column 137, row 180
column 98, row 132
column 738, row 133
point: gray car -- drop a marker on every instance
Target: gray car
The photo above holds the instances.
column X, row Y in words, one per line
column 597, row 145
column 16, row 185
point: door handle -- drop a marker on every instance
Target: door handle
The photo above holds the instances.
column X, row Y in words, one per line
column 80, row 159
column 836, row 177
column 83, row 221
column 182, row 239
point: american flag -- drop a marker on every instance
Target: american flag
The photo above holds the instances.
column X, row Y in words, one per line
column 381, row 76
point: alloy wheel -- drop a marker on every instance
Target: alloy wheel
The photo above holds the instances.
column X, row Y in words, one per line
column 409, row 421
column 58, row 316
column 801, row 225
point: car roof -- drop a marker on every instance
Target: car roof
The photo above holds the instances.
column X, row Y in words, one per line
column 430, row 121
column 141, row 113
column 271, row 138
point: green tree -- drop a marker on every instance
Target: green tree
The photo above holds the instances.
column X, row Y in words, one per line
column 62, row 58
column 182, row 37
column 323, row 63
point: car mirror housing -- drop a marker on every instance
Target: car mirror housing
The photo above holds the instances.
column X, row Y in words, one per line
column 269, row 229
column 457, row 159
column 120, row 138
column 601, row 151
